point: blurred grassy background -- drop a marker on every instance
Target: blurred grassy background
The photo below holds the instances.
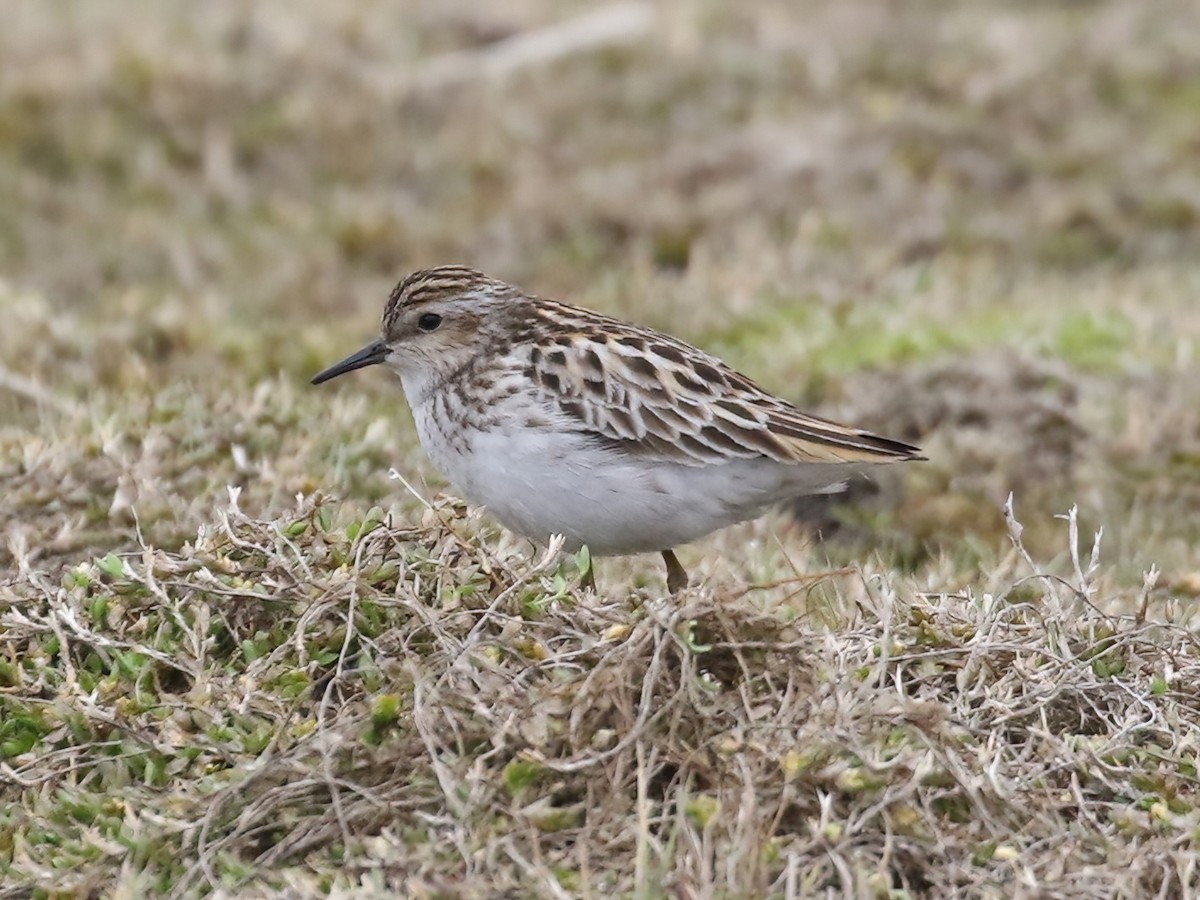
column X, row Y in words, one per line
column 974, row 225
column 971, row 225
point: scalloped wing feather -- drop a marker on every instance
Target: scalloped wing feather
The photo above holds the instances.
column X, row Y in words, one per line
column 662, row 398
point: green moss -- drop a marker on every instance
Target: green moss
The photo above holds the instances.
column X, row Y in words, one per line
column 521, row 774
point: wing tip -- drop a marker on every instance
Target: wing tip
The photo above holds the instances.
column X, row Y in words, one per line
column 891, row 450
column 862, row 447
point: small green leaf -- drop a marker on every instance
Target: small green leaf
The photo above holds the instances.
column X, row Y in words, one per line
column 19, row 743
column 583, row 560
column 385, row 572
column 385, row 710
column 984, row 852
column 98, row 609
column 111, row 565
column 78, row 577
column 693, row 643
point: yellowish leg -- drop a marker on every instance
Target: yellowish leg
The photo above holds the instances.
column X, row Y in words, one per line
column 677, row 576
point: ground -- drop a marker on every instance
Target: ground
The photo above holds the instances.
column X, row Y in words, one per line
column 237, row 657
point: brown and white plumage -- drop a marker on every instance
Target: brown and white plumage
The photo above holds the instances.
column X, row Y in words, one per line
column 664, row 399
column 562, row 420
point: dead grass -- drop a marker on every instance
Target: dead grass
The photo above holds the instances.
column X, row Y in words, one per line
column 973, row 225
column 346, row 707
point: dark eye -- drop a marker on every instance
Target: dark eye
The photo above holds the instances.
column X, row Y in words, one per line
column 429, row 322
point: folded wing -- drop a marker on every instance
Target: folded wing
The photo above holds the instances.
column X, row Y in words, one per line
column 659, row 397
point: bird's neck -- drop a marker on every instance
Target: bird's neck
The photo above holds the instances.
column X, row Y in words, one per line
column 423, row 383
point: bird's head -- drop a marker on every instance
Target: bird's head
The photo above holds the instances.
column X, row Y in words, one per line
column 435, row 320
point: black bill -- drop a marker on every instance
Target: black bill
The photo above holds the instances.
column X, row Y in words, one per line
column 370, row 355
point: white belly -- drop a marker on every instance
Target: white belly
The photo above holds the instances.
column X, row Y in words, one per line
column 540, row 483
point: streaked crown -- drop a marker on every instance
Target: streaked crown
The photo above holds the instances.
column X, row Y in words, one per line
column 440, row 283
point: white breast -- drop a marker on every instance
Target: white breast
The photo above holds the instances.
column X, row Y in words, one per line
column 540, row 480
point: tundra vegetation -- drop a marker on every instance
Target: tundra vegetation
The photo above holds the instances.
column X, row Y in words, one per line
column 237, row 658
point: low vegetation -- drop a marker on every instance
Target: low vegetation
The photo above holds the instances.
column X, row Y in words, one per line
column 237, row 658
